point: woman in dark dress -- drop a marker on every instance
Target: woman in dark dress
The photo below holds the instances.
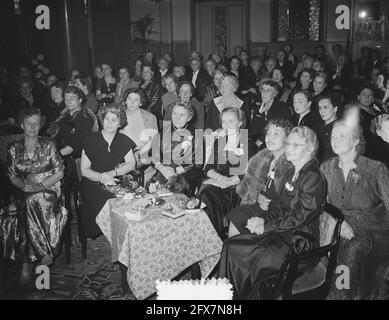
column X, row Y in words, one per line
column 328, row 108
column 303, row 116
column 359, row 187
column 180, row 159
column 35, row 167
column 263, row 177
column 106, row 87
column 248, row 260
column 224, row 169
column 106, row 154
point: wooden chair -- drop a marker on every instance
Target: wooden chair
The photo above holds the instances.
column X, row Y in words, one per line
column 313, row 284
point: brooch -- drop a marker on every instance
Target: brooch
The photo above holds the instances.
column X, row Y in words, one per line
column 355, row 176
column 289, row 187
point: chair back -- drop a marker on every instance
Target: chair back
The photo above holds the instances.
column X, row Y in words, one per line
column 328, row 251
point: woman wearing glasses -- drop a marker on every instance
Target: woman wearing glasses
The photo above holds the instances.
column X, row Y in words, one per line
column 248, row 260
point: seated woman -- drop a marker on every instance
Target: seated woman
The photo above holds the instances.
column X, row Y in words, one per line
column 213, row 90
column 328, row 109
column 248, row 260
column 185, row 93
column 380, row 127
column 263, row 177
column 170, row 83
column 218, row 193
column 106, row 154
column 35, row 167
column 303, row 116
column 141, row 127
column 106, row 87
column 180, row 161
column 359, row 187
column 229, row 86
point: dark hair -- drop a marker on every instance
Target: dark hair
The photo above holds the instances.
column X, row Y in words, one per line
column 60, row 84
column 124, row 66
column 310, row 71
column 285, row 124
column 76, row 91
column 237, row 58
column 148, row 65
column 86, row 81
column 273, row 84
column 306, row 93
column 276, row 68
column 116, row 110
column 139, row 91
column 323, row 75
column 334, row 98
column 181, row 83
column 365, row 86
column 171, row 76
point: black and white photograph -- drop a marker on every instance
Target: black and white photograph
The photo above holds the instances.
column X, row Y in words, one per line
column 194, row 150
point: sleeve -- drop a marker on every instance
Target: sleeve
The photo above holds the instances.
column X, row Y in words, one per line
column 11, row 163
column 310, row 197
column 83, row 128
column 382, row 175
column 88, row 146
column 55, row 158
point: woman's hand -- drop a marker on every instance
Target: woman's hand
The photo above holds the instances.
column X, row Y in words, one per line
column 223, row 181
column 263, row 202
column 107, row 179
column 166, row 171
column 346, row 231
column 256, row 225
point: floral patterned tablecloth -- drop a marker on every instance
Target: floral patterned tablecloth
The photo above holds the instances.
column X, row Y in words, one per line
column 159, row 247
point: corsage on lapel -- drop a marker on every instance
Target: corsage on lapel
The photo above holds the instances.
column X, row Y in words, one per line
column 289, row 186
column 355, row 177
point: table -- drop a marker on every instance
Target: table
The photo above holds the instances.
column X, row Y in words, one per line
column 159, row 247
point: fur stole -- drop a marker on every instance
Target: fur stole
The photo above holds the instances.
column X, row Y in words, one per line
column 257, row 170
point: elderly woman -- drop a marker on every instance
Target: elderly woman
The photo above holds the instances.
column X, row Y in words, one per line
column 223, row 169
column 106, row 87
column 170, row 82
column 180, row 161
column 141, row 127
column 228, row 98
column 359, row 187
column 263, row 177
column 250, row 260
column 270, row 64
column 106, row 154
column 185, row 93
column 35, row 167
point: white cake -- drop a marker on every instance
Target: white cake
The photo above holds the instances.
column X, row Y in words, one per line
column 211, row 289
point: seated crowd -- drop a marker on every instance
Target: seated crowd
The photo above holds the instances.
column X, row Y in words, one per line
column 264, row 142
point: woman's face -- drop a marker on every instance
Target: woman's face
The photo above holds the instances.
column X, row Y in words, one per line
column 210, row 67
column 295, row 148
column 300, row 103
column 218, row 79
column 138, row 66
column 230, row 122
column 111, row 123
column 305, row 79
column 342, row 141
column 133, row 101
column 56, row 94
column 308, row 62
column 185, row 93
column 216, row 58
column 319, row 84
column 124, row 75
column 234, row 64
column 380, row 81
column 275, row 138
column 270, row 65
column 170, row 85
column 226, row 88
column 107, row 71
column 180, row 117
column 32, row 125
column 147, row 74
column 255, row 65
column 98, row 73
column 366, row 97
column 327, row 111
column 268, row 93
column 72, row 101
column 244, row 56
column 317, row 66
column 277, row 75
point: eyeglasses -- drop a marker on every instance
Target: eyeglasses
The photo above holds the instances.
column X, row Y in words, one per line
column 294, row 145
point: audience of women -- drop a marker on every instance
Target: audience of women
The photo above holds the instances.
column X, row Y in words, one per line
column 250, row 260
column 106, row 154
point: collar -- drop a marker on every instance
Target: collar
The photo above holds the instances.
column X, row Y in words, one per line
column 220, row 106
